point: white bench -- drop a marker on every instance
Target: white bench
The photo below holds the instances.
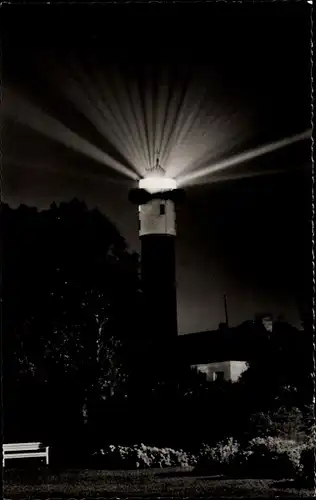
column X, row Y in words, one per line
column 24, row 450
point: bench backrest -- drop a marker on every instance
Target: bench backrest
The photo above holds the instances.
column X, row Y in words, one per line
column 22, row 447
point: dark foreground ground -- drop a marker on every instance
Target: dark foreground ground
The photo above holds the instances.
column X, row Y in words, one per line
column 42, row 483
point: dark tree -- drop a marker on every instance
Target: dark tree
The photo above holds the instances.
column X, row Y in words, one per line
column 281, row 374
column 70, row 304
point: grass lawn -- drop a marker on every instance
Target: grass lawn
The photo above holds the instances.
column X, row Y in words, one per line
column 42, row 483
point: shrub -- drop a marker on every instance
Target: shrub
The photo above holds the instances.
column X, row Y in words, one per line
column 288, row 423
column 308, row 461
column 142, row 456
column 260, row 457
column 311, row 441
column 271, row 457
column 220, row 458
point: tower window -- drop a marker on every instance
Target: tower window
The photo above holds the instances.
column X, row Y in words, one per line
column 162, row 209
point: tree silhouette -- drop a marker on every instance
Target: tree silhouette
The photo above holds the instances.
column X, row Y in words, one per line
column 70, row 302
column 281, row 373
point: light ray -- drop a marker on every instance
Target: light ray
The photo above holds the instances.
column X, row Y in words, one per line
column 85, row 94
column 131, row 118
column 242, row 158
column 179, row 117
column 169, row 124
column 125, row 112
column 204, row 131
column 75, row 94
column 137, row 108
column 148, row 101
column 110, row 102
column 18, row 109
column 113, row 121
column 135, row 103
column 163, row 96
column 182, row 116
column 242, row 176
column 180, row 160
column 127, row 115
column 51, row 167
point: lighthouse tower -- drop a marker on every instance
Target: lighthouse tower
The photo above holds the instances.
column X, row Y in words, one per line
column 156, row 197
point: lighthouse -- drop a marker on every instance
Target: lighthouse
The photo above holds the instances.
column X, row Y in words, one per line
column 157, row 197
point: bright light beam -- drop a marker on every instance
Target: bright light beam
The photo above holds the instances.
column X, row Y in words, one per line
column 137, row 111
column 111, row 101
column 52, row 168
column 169, row 123
column 101, row 93
column 22, row 111
column 82, row 92
column 243, row 157
column 203, row 131
column 122, row 108
column 73, row 91
column 149, row 119
column 174, row 164
column 163, row 100
column 179, row 117
column 132, row 120
column 237, row 177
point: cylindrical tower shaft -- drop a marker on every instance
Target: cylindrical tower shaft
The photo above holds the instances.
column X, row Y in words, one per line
column 156, row 198
column 157, row 233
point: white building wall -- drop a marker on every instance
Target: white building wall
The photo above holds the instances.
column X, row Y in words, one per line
column 152, row 221
column 236, row 369
column 231, row 370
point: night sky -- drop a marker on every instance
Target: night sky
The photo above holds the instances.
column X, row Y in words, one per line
column 247, row 237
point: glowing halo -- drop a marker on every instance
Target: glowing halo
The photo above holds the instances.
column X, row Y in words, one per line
column 157, row 184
